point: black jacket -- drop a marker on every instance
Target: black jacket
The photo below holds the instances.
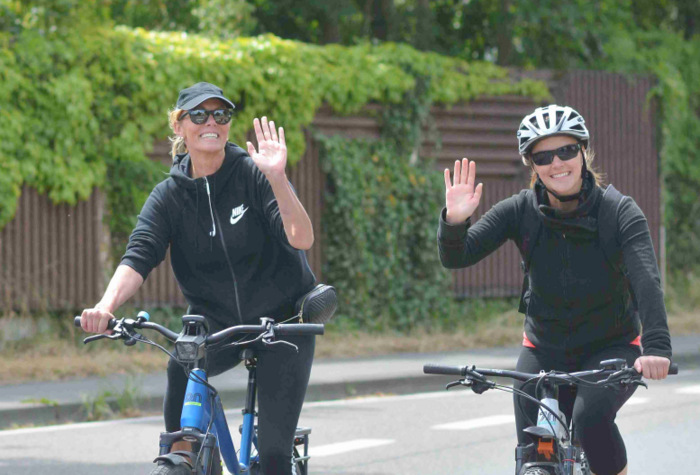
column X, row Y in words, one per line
column 576, row 298
column 239, row 210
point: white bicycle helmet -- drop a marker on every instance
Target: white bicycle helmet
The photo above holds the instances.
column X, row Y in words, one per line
column 547, row 121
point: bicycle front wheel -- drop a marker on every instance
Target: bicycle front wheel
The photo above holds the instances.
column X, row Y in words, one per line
column 536, row 471
column 170, row 469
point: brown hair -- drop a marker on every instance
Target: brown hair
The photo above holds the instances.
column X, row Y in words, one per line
column 177, row 143
column 588, row 155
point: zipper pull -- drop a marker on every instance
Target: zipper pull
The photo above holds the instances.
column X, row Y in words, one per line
column 212, row 233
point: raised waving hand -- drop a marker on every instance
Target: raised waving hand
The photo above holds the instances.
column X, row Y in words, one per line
column 271, row 156
column 461, row 198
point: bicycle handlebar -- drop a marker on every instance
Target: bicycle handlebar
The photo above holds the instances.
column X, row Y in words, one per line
column 449, row 370
column 280, row 329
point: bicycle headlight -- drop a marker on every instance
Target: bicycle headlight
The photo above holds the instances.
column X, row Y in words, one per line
column 187, row 350
column 189, row 346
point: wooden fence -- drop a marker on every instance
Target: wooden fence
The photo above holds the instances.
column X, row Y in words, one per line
column 52, row 256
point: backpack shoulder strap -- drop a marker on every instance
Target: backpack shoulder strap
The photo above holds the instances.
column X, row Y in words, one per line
column 608, row 226
column 530, row 230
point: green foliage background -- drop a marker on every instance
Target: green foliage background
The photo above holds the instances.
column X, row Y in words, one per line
column 675, row 62
column 83, row 100
column 84, row 105
column 379, row 237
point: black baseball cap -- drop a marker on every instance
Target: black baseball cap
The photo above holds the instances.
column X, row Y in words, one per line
column 200, row 92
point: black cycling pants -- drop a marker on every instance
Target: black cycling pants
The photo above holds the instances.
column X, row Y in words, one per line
column 593, row 409
column 282, row 380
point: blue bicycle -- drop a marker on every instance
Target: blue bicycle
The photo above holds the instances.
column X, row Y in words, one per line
column 203, row 421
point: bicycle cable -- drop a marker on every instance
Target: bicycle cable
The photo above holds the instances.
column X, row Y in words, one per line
column 555, row 375
column 208, row 431
column 519, row 402
column 518, row 392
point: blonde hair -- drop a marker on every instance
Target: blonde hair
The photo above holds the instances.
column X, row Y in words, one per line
column 588, row 155
column 178, row 145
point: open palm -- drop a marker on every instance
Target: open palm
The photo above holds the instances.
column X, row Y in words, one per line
column 461, row 198
column 271, row 155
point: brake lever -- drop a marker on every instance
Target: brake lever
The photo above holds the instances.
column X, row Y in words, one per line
column 94, row 338
column 636, row 382
column 477, row 386
column 267, row 342
column 113, row 336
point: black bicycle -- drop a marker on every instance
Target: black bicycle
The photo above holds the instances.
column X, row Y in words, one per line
column 554, row 450
column 203, row 421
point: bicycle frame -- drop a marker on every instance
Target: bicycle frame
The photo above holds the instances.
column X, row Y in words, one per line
column 197, row 413
column 202, row 419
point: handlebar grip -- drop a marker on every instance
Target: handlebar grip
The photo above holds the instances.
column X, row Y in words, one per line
column 432, row 368
column 112, row 322
column 673, row 369
column 300, row 329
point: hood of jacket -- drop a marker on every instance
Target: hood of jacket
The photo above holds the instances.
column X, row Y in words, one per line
column 181, row 173
column 580, row 223
column 205, row 189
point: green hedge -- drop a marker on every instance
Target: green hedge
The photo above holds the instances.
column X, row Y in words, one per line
column 379, row 234
column 675, row 62
column 82, row 110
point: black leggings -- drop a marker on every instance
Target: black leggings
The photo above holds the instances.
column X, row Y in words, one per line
column 282, row 380
column 593, row 409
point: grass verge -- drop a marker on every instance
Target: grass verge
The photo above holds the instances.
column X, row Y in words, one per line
column 56, row 352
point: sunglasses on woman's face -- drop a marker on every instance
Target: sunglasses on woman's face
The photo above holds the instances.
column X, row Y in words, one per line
column 545, row 157
column 200, row 116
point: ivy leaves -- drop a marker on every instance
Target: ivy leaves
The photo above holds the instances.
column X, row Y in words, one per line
column 84, row 105
column 379, row 242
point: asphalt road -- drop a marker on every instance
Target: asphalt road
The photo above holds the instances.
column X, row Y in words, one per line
column 455, row 432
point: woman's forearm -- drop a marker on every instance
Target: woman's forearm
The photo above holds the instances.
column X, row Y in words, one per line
column 123, row 285
column 296, row 222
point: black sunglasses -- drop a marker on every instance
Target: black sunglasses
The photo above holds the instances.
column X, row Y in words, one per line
column 545, row 157
column 200, row 116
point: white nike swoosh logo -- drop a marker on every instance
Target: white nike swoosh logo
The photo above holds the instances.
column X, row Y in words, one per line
column 235, row 219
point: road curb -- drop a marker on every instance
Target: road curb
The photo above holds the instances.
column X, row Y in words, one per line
column 51, row 413
column 47, row 403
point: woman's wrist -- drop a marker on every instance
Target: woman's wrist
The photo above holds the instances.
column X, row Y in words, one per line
column 452, row 219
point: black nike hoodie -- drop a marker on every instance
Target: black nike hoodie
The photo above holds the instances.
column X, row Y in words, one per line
column 234, row 207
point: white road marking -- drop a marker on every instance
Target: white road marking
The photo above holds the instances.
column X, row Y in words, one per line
column 231, row 414
column 389, row 398
column 689, row 390
column 349, row 446
column 477, row 423
column 79, row 425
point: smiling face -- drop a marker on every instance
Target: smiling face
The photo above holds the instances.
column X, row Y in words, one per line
column 562, row 177
column 208, row 138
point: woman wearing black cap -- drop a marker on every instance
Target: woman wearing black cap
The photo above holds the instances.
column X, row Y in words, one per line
column 593, row 281
column 237, row 235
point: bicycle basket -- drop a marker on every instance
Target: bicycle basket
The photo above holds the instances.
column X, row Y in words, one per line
column 318, row 305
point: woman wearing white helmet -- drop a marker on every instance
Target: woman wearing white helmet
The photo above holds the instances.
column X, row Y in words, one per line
column 586, row 297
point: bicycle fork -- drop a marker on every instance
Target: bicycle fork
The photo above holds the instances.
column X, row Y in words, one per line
column 196, row 414
column 546, row 449
column 248, row 438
